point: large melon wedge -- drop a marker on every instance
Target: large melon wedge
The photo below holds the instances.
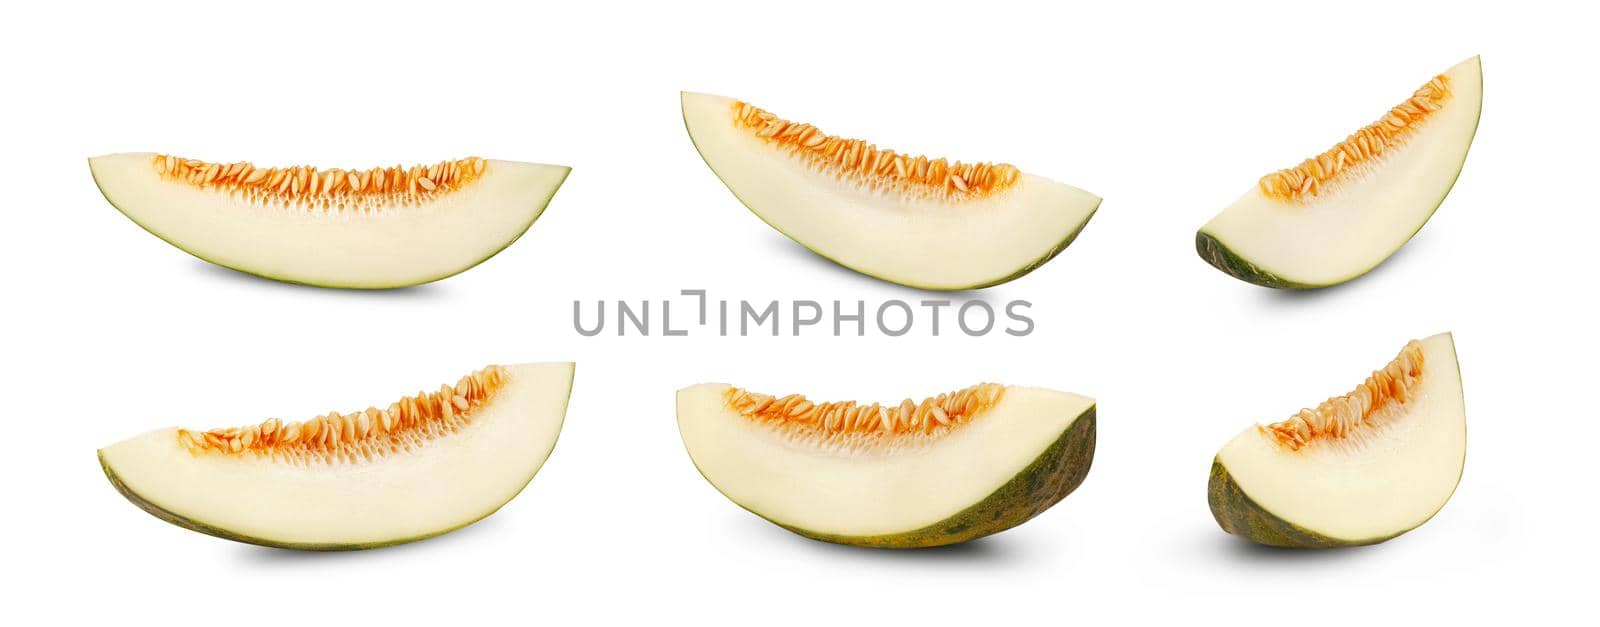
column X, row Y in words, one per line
column 426, row 465
column 1338, row 215
column 910, row 220
column 1357, row 469
column 952, row 468
column 378, row 228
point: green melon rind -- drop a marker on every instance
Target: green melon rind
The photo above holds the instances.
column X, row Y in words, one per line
column 1240, row 515
column 1058, row 470
column 1219, row 256
column 195, row 525
column 1030, row 267
column 336, row 285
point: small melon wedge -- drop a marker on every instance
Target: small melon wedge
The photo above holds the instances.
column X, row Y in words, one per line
column 1338, row 215
column 378, row 228
column 1357, row 469
column 953, row 468
column 904, row 219
column 427, row 465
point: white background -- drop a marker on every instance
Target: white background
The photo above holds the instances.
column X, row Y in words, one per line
column 1167, row 110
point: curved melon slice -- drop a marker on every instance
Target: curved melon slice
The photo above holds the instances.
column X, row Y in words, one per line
column 1338, row 215
column 905, row 219
column 378, row 228
column 429, row 464
column 952, row 468
column 1358, row 469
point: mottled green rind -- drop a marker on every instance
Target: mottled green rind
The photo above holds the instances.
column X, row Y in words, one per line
column 1240, row 515
column 1030, row 267
column 348, row 286
column 195, row 525
column 1054, row 474
column 1219, row 256
column 1215, row 253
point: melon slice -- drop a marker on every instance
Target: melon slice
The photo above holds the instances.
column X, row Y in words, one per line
column 950, row 469
column 378, row 228
column 911, row 220
column 429, row 464
column 1357, row 469
column 1339, row 214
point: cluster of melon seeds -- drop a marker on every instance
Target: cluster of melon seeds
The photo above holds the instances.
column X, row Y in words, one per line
column 306, row 186
column 864, row 426
column 875, row 168
column 1346, row 418
column 362, row 435
column 1366, row 146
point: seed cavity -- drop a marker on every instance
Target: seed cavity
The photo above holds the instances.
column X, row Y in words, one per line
column 1361, row 412
column 874, row 168
column 364, row 435
column 851, row 427
column 332, row 189
column 1362, row 149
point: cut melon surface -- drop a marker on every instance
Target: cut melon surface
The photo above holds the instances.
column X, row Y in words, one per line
column 1340, row 214
column 952, row 468
column 427, row 465
column 378, row 228
column 1357, row 469
column 910, row 220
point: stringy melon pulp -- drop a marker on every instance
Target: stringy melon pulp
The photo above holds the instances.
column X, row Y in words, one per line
column 377, row 228
column 1355, row 477
column 905, row 219
column 369, row 478
column 821, row 475
column 1340, row 214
